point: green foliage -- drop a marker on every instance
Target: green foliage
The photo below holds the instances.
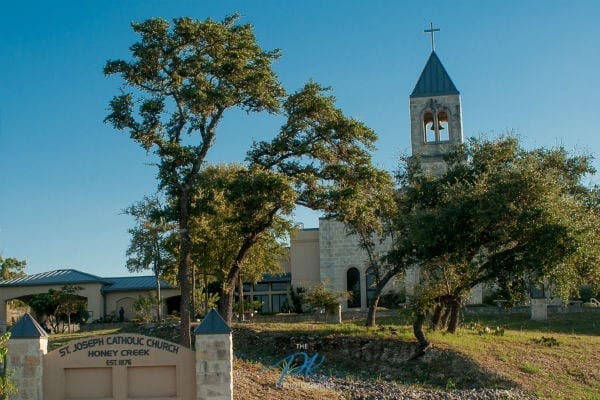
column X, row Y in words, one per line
column 546, row 341
column 320, row 297
column 7, row 387
column 297, row 296
column 587, row 292
column 484, row 329
column 326, row 154
column 63, row 306
column 502, row 214
column 240, row 216
column 11, row 268
column 43, row 303
column 530, row 368
column 182, row 79
column 394, row 298
column 238, row 225
column 250, row 306
column 151, row 244
column 490, row 296
column 205, row 302
column 178, row 85
column 144, row 306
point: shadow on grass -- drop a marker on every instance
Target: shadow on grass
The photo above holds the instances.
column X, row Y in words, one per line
column 369, row 358
column 586, row 322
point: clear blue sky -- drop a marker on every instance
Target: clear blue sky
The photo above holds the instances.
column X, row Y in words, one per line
column 527, row 66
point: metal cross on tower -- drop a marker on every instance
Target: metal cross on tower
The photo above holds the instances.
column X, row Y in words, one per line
column 432, row 31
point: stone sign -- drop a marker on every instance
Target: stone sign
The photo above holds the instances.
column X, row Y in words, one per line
column 123, row 366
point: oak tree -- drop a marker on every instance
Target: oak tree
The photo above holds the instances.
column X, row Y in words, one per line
column 500, row 215
column 11, row 268
column 240, row 231
column 177, row 86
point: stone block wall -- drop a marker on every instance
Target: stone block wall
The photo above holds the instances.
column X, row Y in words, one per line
column 214, row 366
column 339, row 252
column 25, row 360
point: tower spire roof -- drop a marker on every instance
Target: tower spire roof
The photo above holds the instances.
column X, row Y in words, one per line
column 434, row 80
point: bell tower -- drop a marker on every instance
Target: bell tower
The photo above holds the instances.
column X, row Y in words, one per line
column 435, row 114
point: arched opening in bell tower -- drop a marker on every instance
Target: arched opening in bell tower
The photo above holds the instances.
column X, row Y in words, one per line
column 443, row 128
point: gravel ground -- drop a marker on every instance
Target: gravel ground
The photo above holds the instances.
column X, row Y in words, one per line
column 365, row 390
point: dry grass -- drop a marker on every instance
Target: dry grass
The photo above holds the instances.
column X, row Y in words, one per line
column 251, row 382
column 569, row 370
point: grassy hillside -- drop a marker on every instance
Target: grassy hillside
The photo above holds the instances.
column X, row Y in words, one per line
column 555, row 359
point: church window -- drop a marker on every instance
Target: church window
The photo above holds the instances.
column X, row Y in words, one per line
column 279, row 286
column 353, row 286
column 429, row 127
column 370, row 280
column 443, row 129
column 279, row 302
column 261, row 287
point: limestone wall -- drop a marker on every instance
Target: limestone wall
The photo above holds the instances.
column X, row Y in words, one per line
column 338, row 253
column 214, row 366
column 25, row 361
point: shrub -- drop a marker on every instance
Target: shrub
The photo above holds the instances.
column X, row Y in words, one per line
column 586, row 292
column 393, row 298
column 546, row 341
column 144, row 307
column 7, row 387
column 322, row 298
column 297, row 297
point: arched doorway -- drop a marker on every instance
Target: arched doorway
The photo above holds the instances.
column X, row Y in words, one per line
column 353, row 286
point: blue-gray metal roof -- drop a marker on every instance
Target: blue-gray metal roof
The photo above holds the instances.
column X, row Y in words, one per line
column 434, row 80
column 212, row 324
column 58, row 277
column 133, row 283
column 287, row 277
column 74, row 277
column 27, row 328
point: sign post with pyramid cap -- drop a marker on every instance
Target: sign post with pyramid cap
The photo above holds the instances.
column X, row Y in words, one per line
column 26, row 349
column 214, row 358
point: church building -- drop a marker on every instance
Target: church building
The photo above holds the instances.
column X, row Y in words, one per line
column 329, row 254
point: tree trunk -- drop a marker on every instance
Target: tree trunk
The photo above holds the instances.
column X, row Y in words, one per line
column 185, row 249
column 454, row 316
column 158, row 302
column 205, row 293
column 193, row 312
column 418, row 331
column 157, row 265
column 241, row 298
column 228, row 288
column 227, row 304
column 436, row 318
column 373, row 310
column 445, row 317
column 227, row 293
column 371, row 316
